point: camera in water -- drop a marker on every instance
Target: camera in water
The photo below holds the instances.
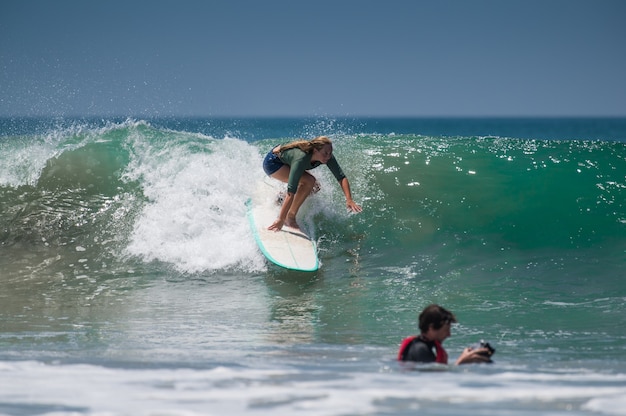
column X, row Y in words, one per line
column 484, row 345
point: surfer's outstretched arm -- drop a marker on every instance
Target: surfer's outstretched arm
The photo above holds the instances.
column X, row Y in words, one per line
column 350, row 204
column 284, row 217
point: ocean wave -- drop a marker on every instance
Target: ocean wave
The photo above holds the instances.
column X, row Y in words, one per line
column 176, row 196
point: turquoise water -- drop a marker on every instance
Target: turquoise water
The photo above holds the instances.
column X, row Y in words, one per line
column 128, row 269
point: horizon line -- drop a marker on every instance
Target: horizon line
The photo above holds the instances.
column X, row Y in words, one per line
column 311, row 116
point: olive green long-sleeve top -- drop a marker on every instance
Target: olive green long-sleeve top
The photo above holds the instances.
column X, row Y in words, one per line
column 300, row 161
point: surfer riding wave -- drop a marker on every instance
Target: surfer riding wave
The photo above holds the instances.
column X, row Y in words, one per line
column 290, row 162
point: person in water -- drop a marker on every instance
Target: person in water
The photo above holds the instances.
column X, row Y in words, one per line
column 434, row 324
column 290, row 162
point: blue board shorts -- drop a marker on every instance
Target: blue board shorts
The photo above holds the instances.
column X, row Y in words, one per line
column 271, row 163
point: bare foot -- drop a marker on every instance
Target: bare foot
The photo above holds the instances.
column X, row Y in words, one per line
column 291, row 222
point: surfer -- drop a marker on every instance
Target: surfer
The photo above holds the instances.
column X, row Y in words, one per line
column 434, row 324
column 290, row 162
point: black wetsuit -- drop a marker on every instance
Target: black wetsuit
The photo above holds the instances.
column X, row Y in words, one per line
column 418, row 349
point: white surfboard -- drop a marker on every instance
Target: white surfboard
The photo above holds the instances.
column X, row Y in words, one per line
column 289, row 248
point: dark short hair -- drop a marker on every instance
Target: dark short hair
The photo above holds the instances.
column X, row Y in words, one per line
column 436, row 316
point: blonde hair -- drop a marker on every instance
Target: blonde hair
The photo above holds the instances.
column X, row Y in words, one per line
column 307, row 146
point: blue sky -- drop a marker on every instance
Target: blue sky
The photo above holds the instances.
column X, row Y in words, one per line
column 313, row 58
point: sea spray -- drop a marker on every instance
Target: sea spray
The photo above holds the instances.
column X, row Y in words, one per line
column 195, row 203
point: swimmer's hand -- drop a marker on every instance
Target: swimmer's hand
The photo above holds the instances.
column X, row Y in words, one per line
column 471, row 355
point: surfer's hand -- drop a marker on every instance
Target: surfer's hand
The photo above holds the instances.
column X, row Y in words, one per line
column 277, row 225
column 353, row 206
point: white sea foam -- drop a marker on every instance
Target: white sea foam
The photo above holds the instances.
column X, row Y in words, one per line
column 285, row 390
column 195, row 216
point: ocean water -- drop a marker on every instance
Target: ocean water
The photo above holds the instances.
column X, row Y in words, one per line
column 130, row 283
